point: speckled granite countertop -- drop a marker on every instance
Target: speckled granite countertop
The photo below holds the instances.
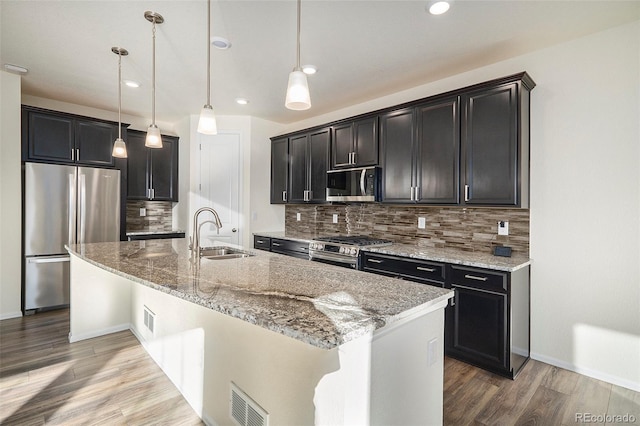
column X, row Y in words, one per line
column 458, row 257
column 319, row 304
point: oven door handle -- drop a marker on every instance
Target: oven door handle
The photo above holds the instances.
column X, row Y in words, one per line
column 334, row 257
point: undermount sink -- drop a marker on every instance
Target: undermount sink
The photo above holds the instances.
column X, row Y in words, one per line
column 222, row 252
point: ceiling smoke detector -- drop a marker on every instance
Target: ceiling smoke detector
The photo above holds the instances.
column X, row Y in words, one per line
column 220, row 43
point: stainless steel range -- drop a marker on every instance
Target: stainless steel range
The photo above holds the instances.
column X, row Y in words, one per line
column 342, row 251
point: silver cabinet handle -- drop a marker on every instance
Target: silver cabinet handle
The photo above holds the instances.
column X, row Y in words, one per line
column 478, row 290
column 453, row 299
column 350, row 156
column 260, row 241
column 466, row 192
column 77, row 154
column 412, row 193
column 416, row 191
column 362, row 176
column 354, row 158
column 73, row 154
column 420, row 268
column 276, row 244
column 374, row 261
column 284, row 196
column 309, row 195
column 473, row 277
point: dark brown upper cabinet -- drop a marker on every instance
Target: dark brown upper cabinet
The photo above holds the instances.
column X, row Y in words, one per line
column 495, row 144
column 308, row 164
column 279, row 170
column 420, row 153
column 355, row 143
column 152, row 173
column 60, row 138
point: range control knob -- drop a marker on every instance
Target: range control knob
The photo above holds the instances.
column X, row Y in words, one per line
column 341, row 249
column 353, row 251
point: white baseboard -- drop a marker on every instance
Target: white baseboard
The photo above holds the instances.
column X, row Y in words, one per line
column 98, row 333
column 208, row 420
column 10, row 315
column 595, row 374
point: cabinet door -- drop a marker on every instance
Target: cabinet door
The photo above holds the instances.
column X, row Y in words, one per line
column 319, row 143
column 366, row 142
column 396, row 141
column 50, row 137
column 163, row 174
column 94, row 142
column 490, row 146
column 438, row 152
column 279, row 170
column 479, row 326
column 298, row 168
column 342, row 146
column 137, row 166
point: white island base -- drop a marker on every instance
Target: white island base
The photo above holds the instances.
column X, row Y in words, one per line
column 392, row 377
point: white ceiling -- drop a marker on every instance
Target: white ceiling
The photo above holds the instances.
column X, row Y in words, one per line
column 363, row 49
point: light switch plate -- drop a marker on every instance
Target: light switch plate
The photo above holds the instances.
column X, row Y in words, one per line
column 335, row 218
column 503, row 228
column 143, row 211
column 298, row 217
column 422, row 222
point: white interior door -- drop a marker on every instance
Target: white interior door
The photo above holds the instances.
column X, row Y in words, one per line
column 219, row 187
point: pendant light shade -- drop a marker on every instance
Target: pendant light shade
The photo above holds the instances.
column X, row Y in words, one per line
column 153, row 139
column 298, row 91
column 298, row 97
column 119, row 147
column 207, row 123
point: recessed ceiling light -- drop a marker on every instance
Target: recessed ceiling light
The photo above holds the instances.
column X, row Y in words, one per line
column 242, row 101
column 131, row 83
column 220, row 43
column 17, row 69
column 309, row 69
column 438, row 7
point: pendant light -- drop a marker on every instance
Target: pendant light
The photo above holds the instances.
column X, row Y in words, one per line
column 207, row 123
column 153, row 139
column 298, row 90
column 119, row 147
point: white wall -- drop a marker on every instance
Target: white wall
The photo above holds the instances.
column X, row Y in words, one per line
column 264, row 216
column 585, row 197
column 10, row 198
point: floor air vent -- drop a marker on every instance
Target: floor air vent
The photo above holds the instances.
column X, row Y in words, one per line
column 149, row 319
column 245, row 411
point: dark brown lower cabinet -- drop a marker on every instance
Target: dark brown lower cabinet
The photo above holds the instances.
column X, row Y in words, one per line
column 487, row 321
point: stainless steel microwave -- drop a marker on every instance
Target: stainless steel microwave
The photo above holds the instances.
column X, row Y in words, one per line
column 359, row 184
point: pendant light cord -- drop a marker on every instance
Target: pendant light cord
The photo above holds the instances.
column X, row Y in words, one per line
column 153, row 77
column 208, row 52
column 298, row 40
column 119, row 95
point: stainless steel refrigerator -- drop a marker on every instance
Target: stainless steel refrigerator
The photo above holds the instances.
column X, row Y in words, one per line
column 63, row 205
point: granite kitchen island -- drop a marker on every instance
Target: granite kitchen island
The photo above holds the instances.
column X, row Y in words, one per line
column 309, row 343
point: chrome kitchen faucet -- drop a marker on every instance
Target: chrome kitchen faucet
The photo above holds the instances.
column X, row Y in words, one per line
column 194, row 240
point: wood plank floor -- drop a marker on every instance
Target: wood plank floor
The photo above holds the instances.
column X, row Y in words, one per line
column 112, row 380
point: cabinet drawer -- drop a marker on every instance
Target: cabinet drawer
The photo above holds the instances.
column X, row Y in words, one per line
column 479, row 278
column 261, row 243
column 289, row 247
column 420, row 270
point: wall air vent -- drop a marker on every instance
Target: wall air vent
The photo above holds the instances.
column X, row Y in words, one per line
column 245, row 411
column 149, row 319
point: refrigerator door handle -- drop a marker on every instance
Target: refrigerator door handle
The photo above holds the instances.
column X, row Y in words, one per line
column 55, row 259
column 82, row 197
column 72, row 208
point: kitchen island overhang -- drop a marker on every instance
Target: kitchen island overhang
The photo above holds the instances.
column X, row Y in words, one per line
column 310, row 343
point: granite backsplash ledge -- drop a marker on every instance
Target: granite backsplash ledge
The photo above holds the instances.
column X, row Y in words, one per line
column 469, row 229
column 158, row 216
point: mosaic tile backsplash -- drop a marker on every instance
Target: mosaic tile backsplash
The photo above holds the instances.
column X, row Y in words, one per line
column 470, row 229
column 158, row 218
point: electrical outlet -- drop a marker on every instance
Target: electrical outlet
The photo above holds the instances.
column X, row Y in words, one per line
column 335, row 218
column 143, row 211
column 422, row 222
column 298, row 217
column 503, row 228
column 432, row 351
